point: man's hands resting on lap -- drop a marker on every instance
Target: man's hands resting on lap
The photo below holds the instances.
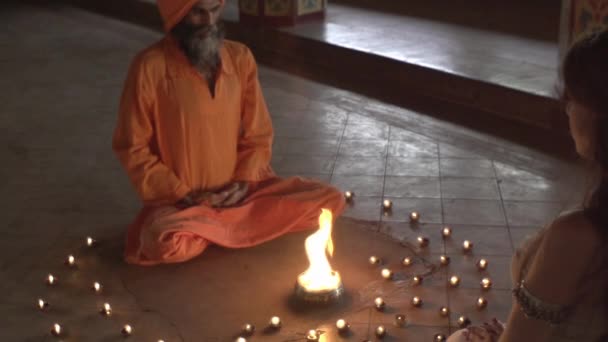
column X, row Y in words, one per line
column 229, row 196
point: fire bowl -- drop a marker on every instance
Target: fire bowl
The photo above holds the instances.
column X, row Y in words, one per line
column 318, row 297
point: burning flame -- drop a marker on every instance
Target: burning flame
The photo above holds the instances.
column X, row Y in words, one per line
column 319, row 276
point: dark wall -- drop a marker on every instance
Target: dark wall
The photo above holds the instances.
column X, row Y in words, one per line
column 536, row 19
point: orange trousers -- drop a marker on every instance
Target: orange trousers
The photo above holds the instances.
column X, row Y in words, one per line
column 272, row 208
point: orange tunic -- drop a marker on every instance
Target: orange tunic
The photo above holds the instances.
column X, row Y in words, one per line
column 173, row 136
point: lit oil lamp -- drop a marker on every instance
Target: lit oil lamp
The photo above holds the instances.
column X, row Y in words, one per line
column 439, row 338
column 486, row 283
column 127, row 330
column 463, row 322
column 374, row 260
column 90, row 241
column 467, row 246
column 275, row 322
column 446, row 232
column 342, row 326
column 417, row 280
column 407, row 261
column 348, row 195
column 42, row 305
column 423, row 242
column 482, row 303
column 387, row 274
column 56, row 330
column 444, row 260
column 400, row 320
column 454, row 281
column 387, row 205
column 96, row 287
column 380, row 331
column 416, row 302
column 414, row 217
column 482, row 264
column 379, row 304
column 70, row 261
column 241, row 339
column 106, row 310
column 248, row 329
column 312, row 335
column 444, row 312
column 51, row 280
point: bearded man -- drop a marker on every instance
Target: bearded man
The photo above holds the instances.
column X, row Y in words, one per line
column 195, row 137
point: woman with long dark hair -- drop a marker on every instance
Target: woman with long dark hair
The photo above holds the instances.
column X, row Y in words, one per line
column 561, row 275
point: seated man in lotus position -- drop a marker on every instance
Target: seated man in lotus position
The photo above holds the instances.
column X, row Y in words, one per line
column 195, row 137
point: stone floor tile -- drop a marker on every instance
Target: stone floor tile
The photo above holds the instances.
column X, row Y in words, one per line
column 408, row 235
column 360, row 166
column 464, row 266
column 365, row 186
column 481, row 168
column 427, row 187
column 531, row 214
column 463, row 302
column 428, row 209
column 520, row 235
column 530, row 190
column 412, row 149
column 419, row 167
column 470, row 188
column 451, row 151
column 315, row 147
column 364, row 208
column 305, row 164
column 479, row 212
column 363, row 148
column 487, row 240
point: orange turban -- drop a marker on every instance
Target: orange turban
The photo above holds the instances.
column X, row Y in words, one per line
column 173, row 11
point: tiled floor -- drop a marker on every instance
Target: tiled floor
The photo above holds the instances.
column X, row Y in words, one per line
column 62, row 76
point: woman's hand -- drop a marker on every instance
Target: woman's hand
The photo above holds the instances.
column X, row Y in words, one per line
column 490, row 331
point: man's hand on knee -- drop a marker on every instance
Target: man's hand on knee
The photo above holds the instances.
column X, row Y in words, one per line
column 238, row 191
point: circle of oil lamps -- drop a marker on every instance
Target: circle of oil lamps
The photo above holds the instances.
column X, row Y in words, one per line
column 51, row 280
column 90, row 241
column 106, row 310
column 248, row 329
column 96, row 287
column 387, row 205
column 439, row 338
column 312, row 335
column 486, row 283
column 374, row 260
column 416, row 302
column 454, row 281
column 56, row 330
column 407, row 261
column 386, row 274
column 467, row 246
column 482, row 264
column 70, row 261
column 342, row 325
column 481, row 303
column 423, row 242
column 446, row 232
column 400, row 320
column 126, row 330
column 379, row 304
column 275, row 322
column 42, row 305
column 463, row 322
column 444, row 311
column 444, row 260
column 417, row 280
column 380, row 331
column 241, row 339
column 348, row 195
column 414, row 217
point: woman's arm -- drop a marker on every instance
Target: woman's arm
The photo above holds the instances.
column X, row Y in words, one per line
column 548, row 292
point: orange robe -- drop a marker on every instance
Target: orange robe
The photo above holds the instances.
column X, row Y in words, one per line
column 173, row 136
